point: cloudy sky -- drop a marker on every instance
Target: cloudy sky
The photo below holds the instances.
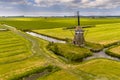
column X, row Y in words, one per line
column 59, row 7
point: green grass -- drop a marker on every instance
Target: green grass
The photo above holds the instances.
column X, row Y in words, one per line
column 13, row 47
column 104, row 34
column 94, row 47
column 16, row 58
column 57, row 33
column 103, row 69
column 71, row 52
column 59, row 75
column 114, row 51
column 12, row 70
column 43, row 23
column 101, row 34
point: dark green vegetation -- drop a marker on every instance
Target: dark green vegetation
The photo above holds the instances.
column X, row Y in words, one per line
column 71, row 52
column 94, row 47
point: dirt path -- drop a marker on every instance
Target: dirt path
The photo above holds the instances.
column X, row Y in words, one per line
column 53, row 59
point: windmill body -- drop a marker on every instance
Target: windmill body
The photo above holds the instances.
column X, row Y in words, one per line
column 79, row 35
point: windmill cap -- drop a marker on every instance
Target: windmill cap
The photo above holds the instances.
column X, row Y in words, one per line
column 79, row 28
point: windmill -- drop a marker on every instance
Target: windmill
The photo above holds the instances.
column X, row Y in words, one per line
column 79, row 34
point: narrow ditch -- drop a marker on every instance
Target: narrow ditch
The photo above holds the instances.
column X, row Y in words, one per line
column 39, row 73
column 36, row 75
column 101, row 54
column 46, row 37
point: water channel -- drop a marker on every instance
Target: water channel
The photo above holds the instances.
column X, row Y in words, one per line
column 100, row 54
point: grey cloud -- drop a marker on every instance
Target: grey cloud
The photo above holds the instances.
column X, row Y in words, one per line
column 14, row 1
column 101, row 4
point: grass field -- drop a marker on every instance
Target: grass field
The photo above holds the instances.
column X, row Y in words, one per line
column 104, row 69
column 114, row 51
column 103, row 34
column 70, row 52
column 16, row 58
column 48, row 23
column 16, row 52
column 13, row 47
column 59, row 75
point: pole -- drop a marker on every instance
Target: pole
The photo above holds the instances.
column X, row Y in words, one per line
column 78, row 18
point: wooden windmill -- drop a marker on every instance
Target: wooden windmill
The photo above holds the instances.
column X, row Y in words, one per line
column 79, row 34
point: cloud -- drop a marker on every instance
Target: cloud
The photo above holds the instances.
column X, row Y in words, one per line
column 100, row 4
column 48, row 3
column 14, row 1
column 60, row 7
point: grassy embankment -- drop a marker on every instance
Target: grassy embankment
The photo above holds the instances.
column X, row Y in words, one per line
column 114, row 51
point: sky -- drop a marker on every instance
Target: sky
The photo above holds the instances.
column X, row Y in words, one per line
column 59, row 7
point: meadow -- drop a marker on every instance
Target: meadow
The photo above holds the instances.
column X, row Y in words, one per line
column 104, row 28
column 103, row 34
column 102, row 69
column 59, row 75
column 16, row 57
column 13, row 47
column 114, row 51
column 48, row 23
column 22, row 55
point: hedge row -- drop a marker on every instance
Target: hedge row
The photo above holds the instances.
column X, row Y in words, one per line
column 69, row 51
column 94, row 47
